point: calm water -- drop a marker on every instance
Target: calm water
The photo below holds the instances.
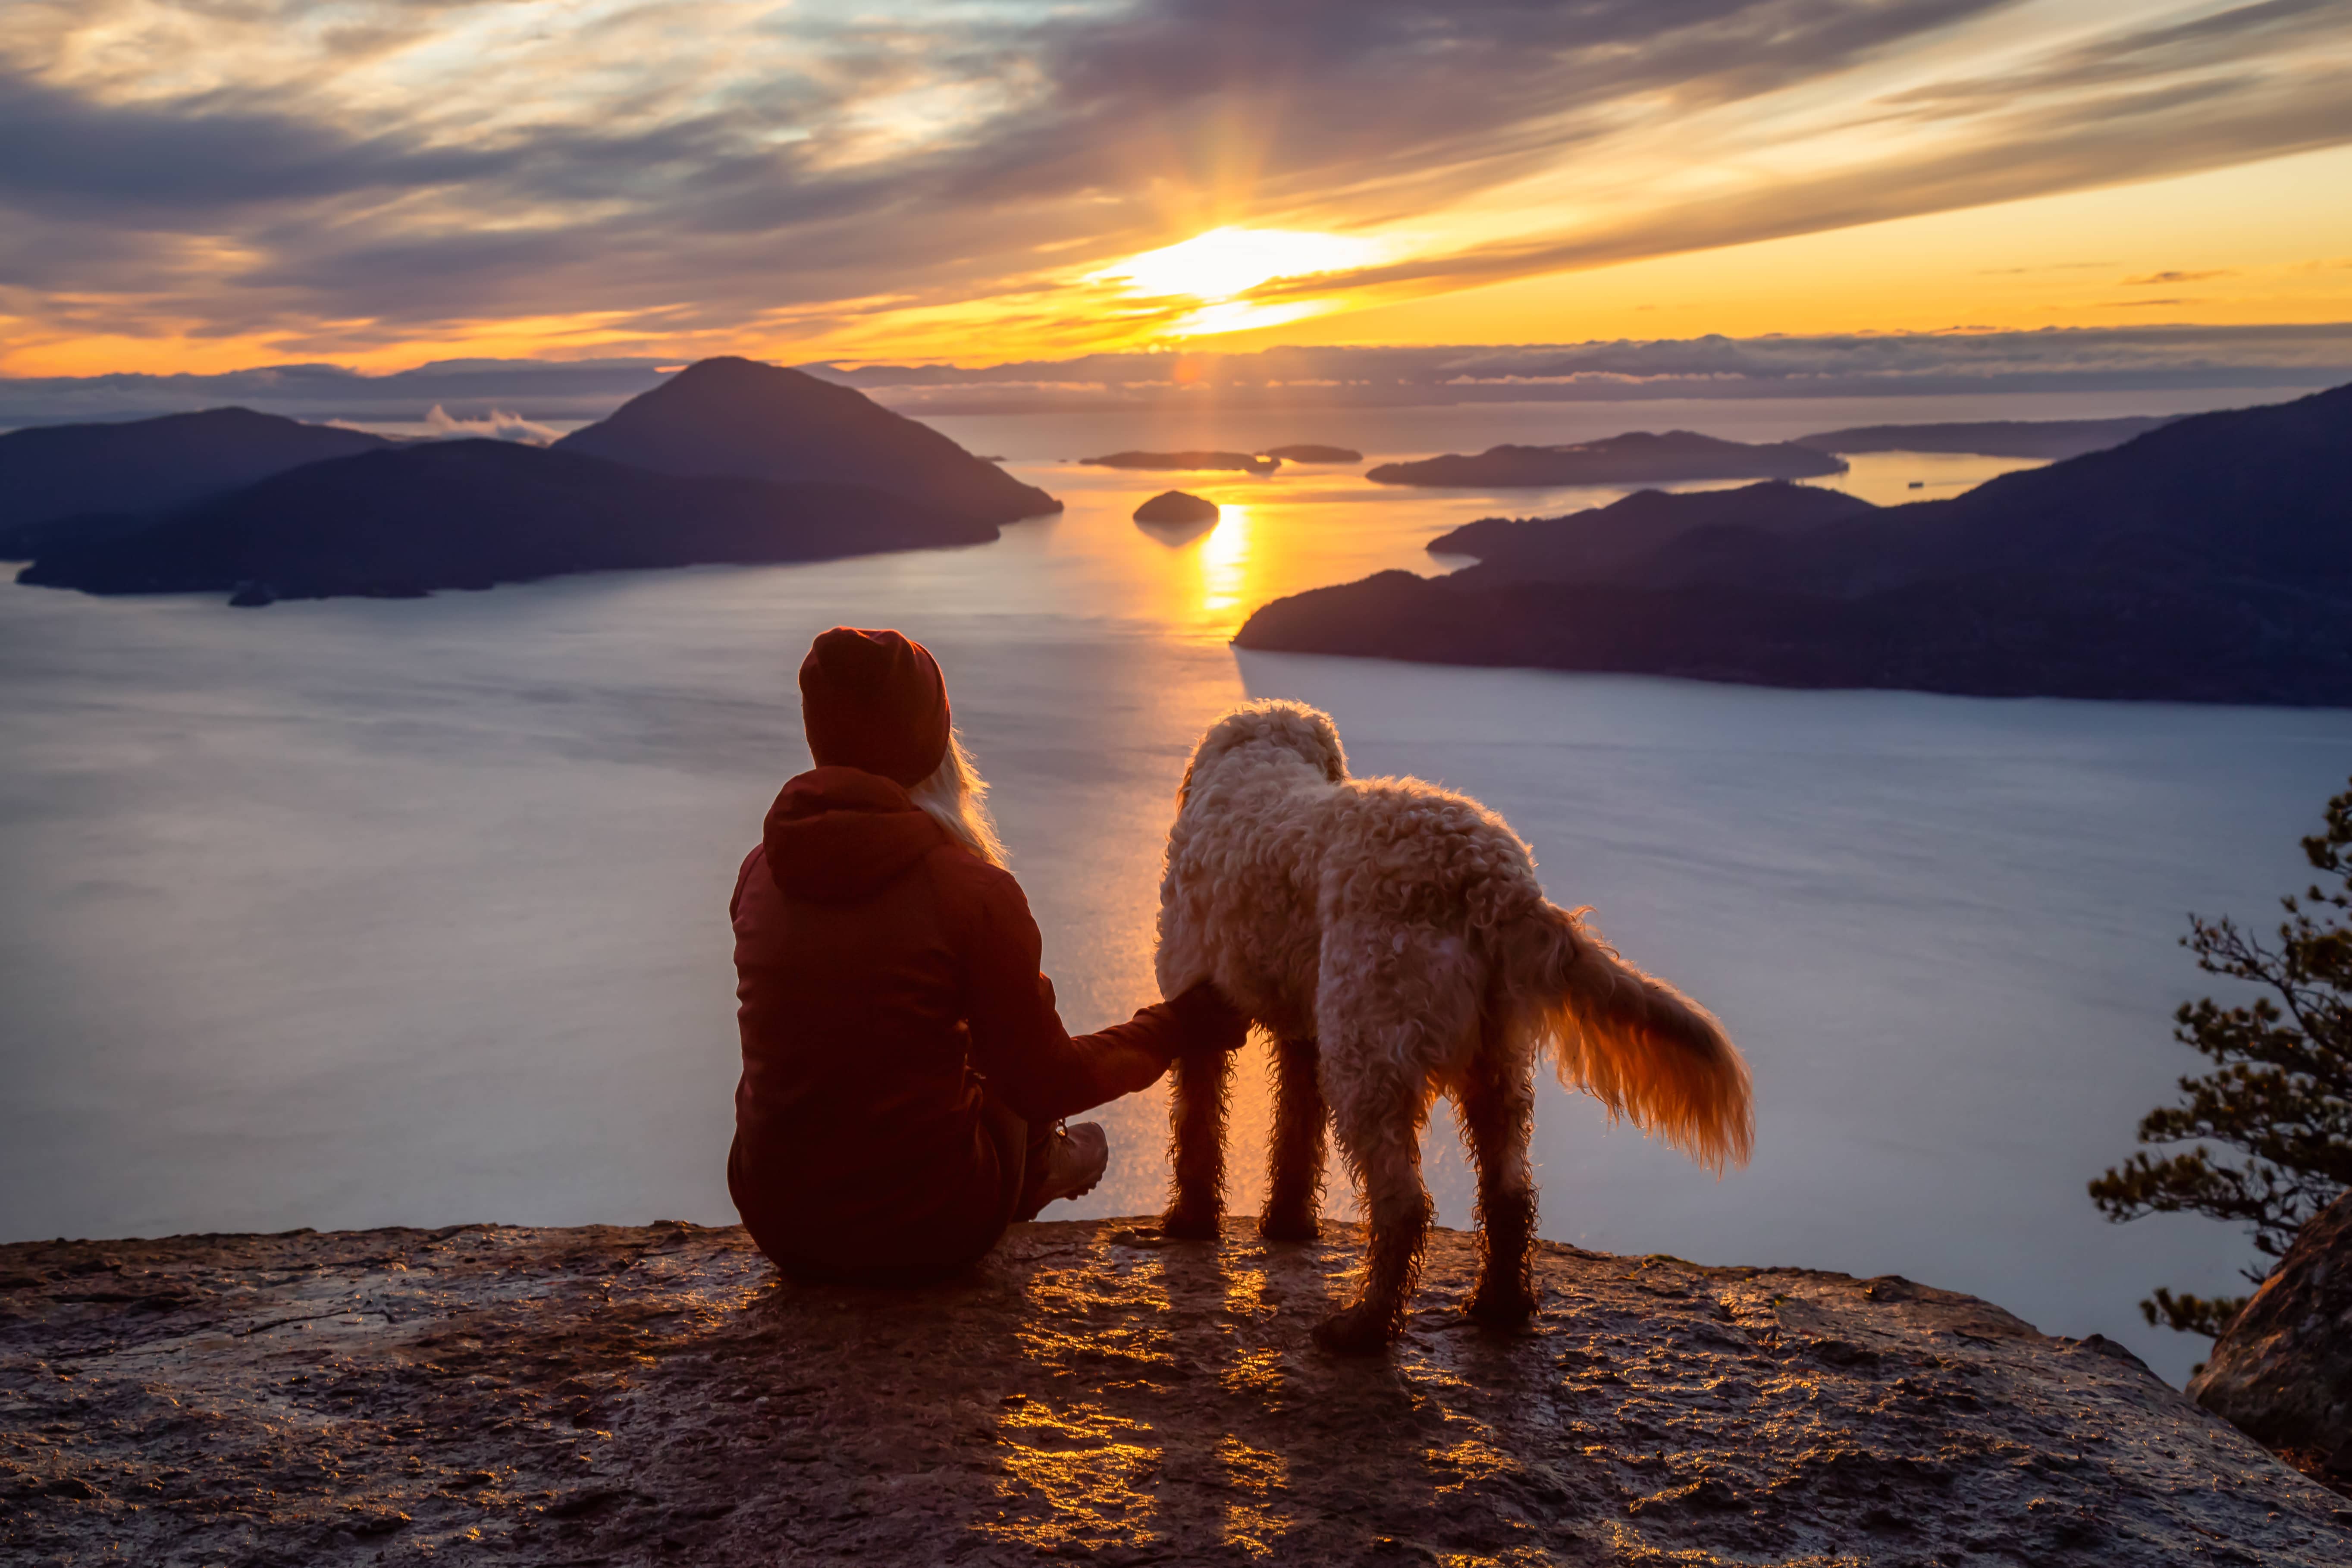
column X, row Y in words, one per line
column 357, row 913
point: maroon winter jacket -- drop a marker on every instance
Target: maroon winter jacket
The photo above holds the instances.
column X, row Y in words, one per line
column 885, row 971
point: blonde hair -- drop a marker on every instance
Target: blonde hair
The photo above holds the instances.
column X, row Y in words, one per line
column 955, row 796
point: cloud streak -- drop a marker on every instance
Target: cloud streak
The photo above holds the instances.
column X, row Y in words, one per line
column 618, row 176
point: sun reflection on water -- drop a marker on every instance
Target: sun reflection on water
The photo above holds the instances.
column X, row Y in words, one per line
column 1225, row 564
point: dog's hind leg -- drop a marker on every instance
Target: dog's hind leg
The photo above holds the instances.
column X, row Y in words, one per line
column 1496, row 1100
column 1378, row 1122
column 1196, row 1127
column 1294, row 1196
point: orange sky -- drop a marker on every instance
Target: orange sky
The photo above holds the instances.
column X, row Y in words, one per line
column 201, row 188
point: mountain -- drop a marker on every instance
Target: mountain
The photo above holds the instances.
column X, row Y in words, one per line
column 2051, row 438
column 2209, row 560
column 468, row 514
column 739, row 417
column 1637, row 457
column 64, row 482
column 1310, row 452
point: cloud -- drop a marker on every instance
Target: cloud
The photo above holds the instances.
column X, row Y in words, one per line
column 2184, row 276
column 496, row 426
column 658, row 176
column 479, row 397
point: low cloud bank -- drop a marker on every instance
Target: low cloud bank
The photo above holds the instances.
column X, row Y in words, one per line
column 512, row 398
column 497, row 425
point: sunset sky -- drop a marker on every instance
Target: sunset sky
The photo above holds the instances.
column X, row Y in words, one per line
column 200, row 185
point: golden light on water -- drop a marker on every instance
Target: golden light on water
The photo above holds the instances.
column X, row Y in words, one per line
column 1225, row 564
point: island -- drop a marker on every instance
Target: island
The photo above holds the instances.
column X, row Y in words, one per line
column 1090, row 1390
column 1638, row 457
column 729, row 462
column 2207, row 561
column 470, row 514
column 2051, row 438
column 1177, row 508
column 1308, row 452
column 1243, row 462
column 740, row 417
column 62, row 482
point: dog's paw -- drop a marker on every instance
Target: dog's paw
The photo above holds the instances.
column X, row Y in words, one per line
column 1360, row 1329
column 1189, row 1224
column 1289, row 1225
column 1497, row 1306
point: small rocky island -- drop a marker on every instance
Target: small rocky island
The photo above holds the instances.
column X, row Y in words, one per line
column 619, row 1395
column 1237, row 462
column 1177, row 509
column 1636, row 458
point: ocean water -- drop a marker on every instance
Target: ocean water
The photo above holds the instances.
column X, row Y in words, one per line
column 356, row 914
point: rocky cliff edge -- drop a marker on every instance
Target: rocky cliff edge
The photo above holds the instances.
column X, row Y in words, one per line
column 625, row 1395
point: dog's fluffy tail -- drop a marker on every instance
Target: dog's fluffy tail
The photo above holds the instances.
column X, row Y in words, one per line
column 1632, row 1041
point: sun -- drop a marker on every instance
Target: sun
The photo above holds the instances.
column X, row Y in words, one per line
column 1214, row 266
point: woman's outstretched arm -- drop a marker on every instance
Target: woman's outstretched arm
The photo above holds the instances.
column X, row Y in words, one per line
column 1018, row 1042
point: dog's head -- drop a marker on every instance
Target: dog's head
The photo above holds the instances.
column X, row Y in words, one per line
column 1271, row 725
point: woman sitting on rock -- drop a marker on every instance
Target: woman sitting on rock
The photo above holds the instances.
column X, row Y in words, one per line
column 904, row 1068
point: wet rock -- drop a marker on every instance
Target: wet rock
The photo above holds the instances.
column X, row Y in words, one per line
column 2283, row 1372
column 640, row 1395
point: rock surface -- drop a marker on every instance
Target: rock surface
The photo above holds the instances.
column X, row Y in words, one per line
column 627, row 1395
column 1177, row 507
column 2282, row 1373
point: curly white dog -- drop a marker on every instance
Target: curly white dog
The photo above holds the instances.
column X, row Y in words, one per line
column 1393, row 940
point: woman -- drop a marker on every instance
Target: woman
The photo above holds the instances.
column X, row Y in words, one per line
column 903, row 1065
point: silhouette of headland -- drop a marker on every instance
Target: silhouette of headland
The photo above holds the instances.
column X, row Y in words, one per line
column 2207, row 560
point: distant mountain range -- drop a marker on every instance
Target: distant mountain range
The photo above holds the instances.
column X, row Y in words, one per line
column 728, row 461
column 2051, row 438
column 1637, row 457
column 2209, row 560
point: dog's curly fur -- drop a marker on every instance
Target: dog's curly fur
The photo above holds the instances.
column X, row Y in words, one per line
column 1393, row 940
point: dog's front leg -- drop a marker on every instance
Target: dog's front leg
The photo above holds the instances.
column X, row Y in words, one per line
column 1196, row 1118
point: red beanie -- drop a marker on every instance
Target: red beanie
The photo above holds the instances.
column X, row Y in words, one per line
column 875, row 701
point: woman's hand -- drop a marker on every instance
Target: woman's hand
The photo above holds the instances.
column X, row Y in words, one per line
column 1209, row 1022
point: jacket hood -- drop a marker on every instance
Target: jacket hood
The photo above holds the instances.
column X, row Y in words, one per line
column 836, row 835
